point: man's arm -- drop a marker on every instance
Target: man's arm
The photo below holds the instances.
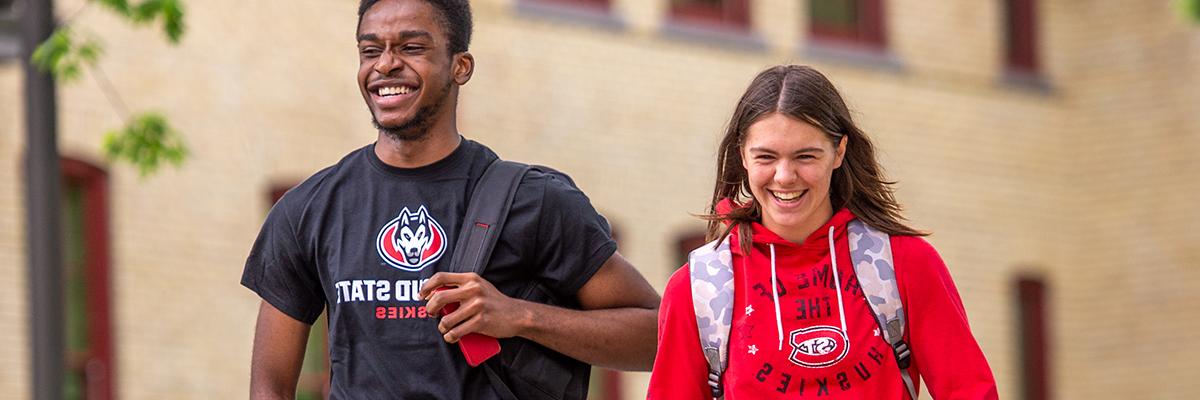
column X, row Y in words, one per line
column 279, row 342
column 615, row 329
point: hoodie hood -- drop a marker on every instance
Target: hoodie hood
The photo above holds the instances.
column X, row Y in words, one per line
column 817, row 240
column 770, row 250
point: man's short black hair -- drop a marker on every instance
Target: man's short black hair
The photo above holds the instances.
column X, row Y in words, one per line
column 455, row 18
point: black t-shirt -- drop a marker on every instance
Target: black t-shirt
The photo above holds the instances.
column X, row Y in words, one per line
column 361, row 236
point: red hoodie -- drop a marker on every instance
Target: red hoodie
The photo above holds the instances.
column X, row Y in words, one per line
column 764, row 364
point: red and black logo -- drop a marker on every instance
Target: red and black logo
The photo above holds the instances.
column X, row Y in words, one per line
column 412, row 241
column 818, row 346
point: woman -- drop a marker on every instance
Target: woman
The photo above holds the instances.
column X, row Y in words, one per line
column 793, row 172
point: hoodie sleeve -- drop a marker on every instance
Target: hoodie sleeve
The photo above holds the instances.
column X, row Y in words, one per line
column 945, row 352
column 680, row 370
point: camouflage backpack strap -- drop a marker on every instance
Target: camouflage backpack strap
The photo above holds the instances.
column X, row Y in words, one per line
column 871, row 253
column 711, row 270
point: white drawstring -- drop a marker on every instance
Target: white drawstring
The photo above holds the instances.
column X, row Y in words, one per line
column 838, row 287
column 775, row 292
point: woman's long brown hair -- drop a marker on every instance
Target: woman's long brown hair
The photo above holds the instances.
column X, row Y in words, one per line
column 805, row 94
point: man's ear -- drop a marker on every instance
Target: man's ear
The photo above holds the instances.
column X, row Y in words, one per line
column 464, row 67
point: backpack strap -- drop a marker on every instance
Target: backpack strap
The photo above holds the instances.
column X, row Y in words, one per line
column 491, row 200
column 711, row 272
column 871, row 253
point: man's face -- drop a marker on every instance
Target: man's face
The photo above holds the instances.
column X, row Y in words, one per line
column 405, row 71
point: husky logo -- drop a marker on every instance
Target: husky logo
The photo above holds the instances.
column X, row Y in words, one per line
column 411, row 241
column 818, row 346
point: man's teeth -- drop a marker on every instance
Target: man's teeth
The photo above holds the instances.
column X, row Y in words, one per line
column 395, row 90
column 787, row 196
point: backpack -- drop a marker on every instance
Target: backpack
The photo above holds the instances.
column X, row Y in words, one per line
column 711, row 273
column 523, row 369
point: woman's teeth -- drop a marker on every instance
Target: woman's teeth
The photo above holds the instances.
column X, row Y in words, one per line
column 786, row 196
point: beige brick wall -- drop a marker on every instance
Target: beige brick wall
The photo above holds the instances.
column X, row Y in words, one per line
column 1087, row 183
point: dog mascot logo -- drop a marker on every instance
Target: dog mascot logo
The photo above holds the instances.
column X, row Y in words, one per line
column 412, row 241
column 818, row 346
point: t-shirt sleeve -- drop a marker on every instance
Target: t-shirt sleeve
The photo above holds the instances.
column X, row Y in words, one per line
column 945, row 352
column 573, row 240
column 279, row 270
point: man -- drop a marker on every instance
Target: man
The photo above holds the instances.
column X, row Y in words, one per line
column 364, row 240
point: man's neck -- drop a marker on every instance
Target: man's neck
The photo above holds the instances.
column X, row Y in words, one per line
column 416, row 153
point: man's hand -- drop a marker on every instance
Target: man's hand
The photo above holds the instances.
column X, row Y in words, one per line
column 615, row 329
column 482, row 308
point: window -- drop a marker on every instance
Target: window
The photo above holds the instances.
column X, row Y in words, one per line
column 684, row 244
column 856, row 23
column 314, row 372
column 1031, row 309
column 592, row 4
column 728, row 14
column 89, row 363
column 1020, row 37
column 10, row 29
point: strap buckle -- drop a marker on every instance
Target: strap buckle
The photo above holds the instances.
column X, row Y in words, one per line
column 714, row 383
column 903, row 354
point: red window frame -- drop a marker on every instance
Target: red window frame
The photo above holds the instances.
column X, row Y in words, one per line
column 588, row 4
column 1031, row 309
column 729, row 14
column 868, row 32
column 97, row 362
column 1021, row 36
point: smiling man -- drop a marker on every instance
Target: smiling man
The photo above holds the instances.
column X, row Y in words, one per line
column 365, row 240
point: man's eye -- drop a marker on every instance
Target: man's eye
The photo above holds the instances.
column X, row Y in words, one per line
column 371, row 52
column 413, row 49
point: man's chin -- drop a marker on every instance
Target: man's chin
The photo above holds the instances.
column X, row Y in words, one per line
column 406, row 132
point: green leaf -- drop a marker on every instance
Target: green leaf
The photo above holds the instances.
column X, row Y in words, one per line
column 170, row 11
column 1189, row 9
column 119, row 6
column 60, row 56
column 146, row 142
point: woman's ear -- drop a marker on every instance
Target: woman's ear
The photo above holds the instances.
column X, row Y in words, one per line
column 841, row 151
column 464, row 67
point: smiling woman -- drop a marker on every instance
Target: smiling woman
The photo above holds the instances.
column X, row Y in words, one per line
column 798, row 193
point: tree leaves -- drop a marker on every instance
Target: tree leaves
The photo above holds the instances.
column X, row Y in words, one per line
column 147, row 141
column 1190, row 9
column 169, row 11
column 61, row 56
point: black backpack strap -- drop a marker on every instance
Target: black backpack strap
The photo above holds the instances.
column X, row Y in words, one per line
column 490, row 201
column 487, row 210
column 498, row 384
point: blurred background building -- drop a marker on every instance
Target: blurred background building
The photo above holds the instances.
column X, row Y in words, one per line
column 1049, row 145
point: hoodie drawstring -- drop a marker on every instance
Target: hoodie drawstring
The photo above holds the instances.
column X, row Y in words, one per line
column 838, row 282
column 775, row 293
column 837, row 289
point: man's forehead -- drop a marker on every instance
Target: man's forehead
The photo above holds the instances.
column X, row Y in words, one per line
column 393, row 17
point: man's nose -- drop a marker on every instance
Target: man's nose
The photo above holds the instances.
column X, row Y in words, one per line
column 388, row 63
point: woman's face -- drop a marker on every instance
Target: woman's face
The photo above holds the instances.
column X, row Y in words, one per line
column 789, row 163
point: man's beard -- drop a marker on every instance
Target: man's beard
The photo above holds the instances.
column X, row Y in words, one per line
column 417, row 128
